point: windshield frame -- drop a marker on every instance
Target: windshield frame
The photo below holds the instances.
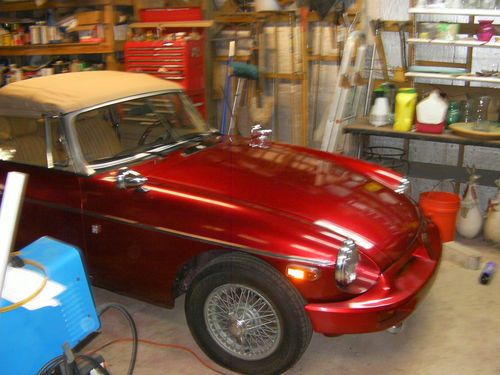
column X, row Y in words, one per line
column 86, row 168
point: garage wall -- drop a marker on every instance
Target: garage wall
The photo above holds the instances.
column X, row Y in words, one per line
column 430, row 152
column 278, row 60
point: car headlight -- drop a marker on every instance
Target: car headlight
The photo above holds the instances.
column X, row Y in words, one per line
column 347, row 262
column 403, row 187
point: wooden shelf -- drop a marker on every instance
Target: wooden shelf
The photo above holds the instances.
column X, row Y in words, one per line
column 174, row 24
column 30, row 5
column 236, row 58
column 332, row 57
column 458, row 42
column 456, row 11
column 57, row 49
column 461, row 77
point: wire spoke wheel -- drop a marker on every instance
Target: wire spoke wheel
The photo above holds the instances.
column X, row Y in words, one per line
column 247, row 316
column 242, row 321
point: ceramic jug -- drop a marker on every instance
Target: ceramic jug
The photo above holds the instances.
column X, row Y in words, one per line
column 469, row 219
column 492, row 223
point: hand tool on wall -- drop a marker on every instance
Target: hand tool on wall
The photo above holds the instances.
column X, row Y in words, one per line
column 261, row 106
column 227, row 88
column 376, row 26
column 379, row 45
column 291, row 22
column 276, row 81
column 399, row 74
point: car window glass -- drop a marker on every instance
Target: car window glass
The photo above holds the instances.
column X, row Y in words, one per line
column 133, row 126
column 22, row 140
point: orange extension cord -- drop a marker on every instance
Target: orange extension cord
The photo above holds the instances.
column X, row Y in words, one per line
column 161, row 345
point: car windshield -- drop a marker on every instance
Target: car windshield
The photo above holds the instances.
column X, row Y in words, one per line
column 133, row 127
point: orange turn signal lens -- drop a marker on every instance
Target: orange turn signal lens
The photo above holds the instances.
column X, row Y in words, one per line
column 300, row 272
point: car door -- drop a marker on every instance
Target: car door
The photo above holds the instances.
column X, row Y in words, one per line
column 52, row 203
column 125, row 252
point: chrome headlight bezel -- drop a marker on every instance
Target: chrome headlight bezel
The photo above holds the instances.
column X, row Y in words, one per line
column 347, row 263
column 404, row 186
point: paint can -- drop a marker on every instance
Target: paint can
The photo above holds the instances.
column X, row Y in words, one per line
column 35, row 34
column 44, row 34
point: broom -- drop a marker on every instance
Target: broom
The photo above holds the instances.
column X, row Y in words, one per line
column 242, row 72
column 227, row 88
column 261, row 106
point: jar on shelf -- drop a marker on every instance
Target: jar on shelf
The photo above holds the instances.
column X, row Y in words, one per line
column 454, row 114
column 476, row 109
column 486, row 30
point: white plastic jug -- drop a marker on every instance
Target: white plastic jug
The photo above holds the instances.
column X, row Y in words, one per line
column 432, row 110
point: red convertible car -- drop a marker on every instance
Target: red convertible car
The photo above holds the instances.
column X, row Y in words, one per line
column 269, row 241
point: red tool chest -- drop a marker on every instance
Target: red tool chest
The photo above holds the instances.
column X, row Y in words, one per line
column 180, row 60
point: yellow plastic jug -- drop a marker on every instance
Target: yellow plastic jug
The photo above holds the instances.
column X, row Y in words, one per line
column 406, row 101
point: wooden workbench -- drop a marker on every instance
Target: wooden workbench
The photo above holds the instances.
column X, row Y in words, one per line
column 362, row 130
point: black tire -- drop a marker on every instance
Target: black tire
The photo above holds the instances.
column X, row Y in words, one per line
column 287, row 329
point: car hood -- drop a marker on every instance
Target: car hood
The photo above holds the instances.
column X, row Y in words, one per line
column 293, row 182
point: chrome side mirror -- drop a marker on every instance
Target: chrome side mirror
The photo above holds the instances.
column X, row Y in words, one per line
column 259, row 137
column 127, row 178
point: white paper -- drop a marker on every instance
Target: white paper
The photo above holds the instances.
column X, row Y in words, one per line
column 20, row 283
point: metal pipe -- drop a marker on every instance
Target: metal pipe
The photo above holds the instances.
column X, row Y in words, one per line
column 9, row 217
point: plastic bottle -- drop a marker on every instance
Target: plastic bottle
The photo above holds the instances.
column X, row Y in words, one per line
column 453, row 113
column 488, row 272
column 406, row 100
column 431, row 113
column 379, row 114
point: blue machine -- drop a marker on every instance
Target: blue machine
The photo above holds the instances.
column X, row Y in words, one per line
column 29, row 339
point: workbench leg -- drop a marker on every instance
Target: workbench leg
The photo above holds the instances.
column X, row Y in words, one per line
column 460, row 163
column 361, row 142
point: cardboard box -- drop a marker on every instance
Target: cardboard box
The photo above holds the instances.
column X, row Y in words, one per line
column 89, row 18
column 90, row 33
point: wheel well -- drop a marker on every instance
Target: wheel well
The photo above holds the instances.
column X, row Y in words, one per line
column 191, row 268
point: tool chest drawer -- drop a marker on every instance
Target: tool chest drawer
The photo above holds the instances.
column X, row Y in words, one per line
column 181, row 60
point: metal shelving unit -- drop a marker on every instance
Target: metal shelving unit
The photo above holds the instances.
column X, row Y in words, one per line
column 470, row 43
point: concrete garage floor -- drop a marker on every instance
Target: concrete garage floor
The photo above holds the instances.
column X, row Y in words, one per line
column 455, row 331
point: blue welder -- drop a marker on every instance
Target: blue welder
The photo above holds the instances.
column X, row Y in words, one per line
column 46, row 306
column 33, row 335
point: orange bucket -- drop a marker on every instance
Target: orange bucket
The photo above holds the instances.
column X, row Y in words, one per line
column 442, row 208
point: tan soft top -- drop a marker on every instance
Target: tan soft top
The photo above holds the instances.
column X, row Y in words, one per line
column 68, row 92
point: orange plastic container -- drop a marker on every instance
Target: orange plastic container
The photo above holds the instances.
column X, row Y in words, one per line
column 442, row 207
